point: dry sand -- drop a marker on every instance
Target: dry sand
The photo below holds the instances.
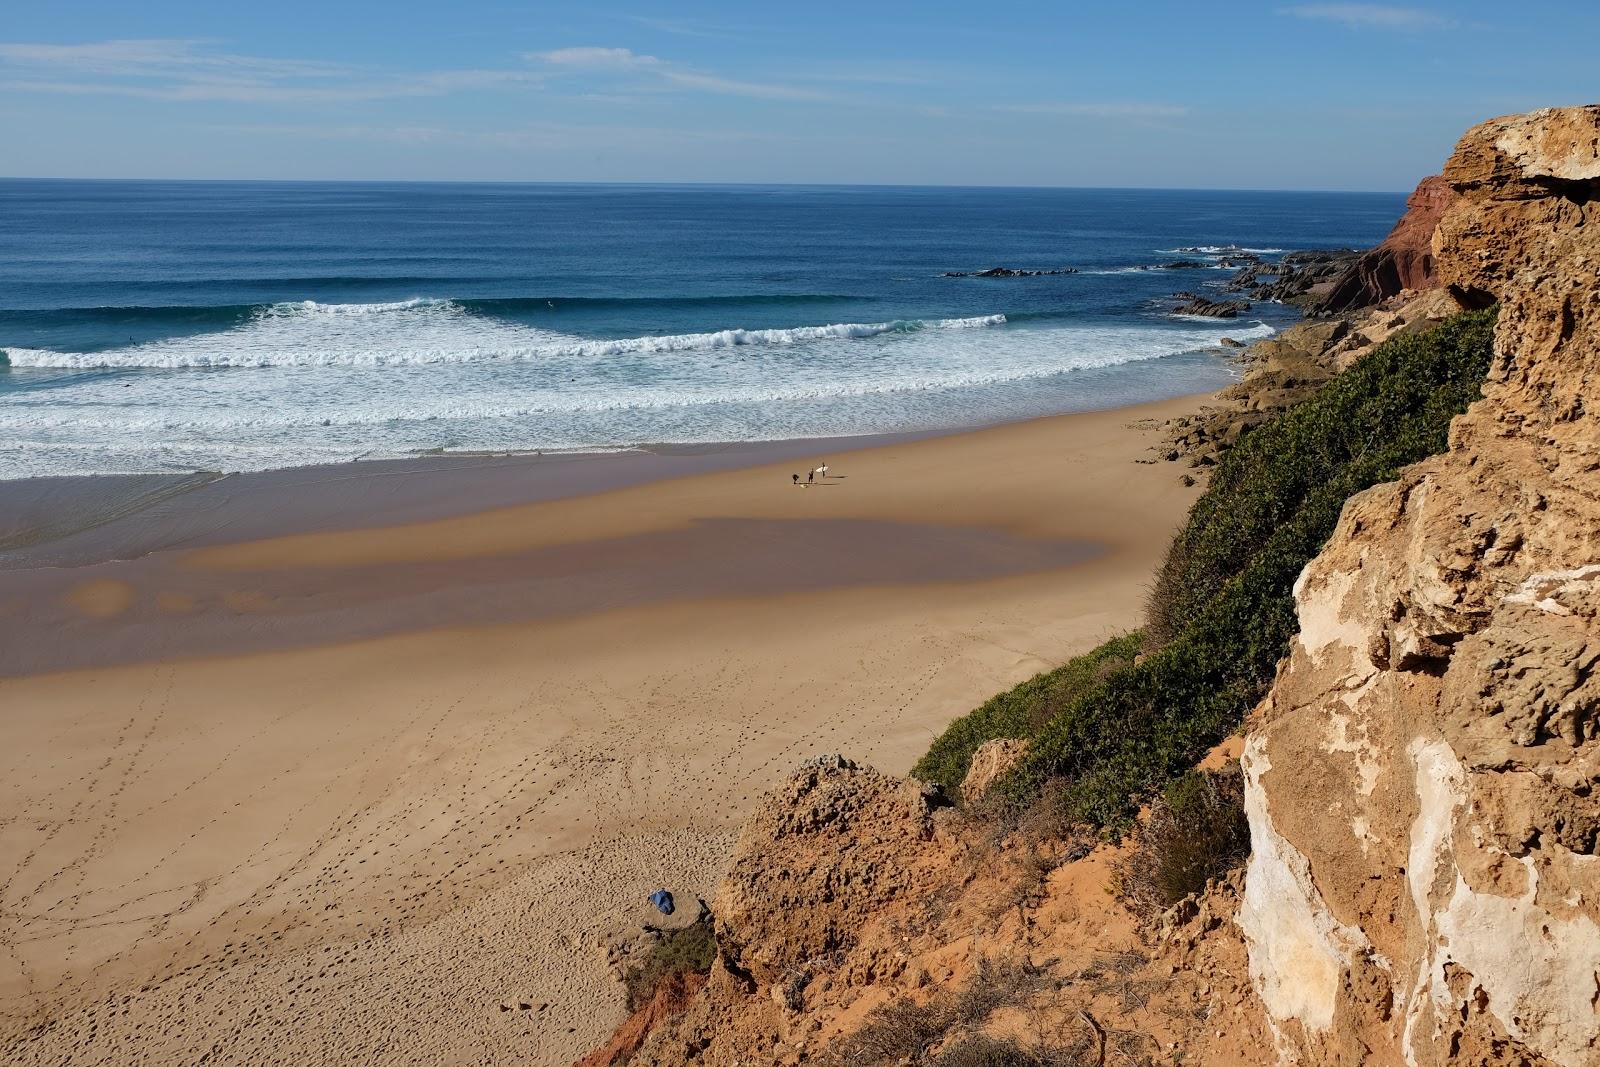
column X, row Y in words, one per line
column 384, row 794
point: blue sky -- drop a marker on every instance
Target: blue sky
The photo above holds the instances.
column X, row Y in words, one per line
column 1287, row 95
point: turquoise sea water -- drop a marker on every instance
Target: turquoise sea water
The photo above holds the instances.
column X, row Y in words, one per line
column 162, row 326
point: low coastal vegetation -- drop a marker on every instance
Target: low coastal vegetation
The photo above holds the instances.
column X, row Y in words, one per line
column 1196, row 831
column 1117, row 725
column 675, row 955
column 905, row 1031
column 957, row 1027
column 1026, row 709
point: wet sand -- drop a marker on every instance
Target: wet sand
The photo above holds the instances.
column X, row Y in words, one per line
column 359, row 790
column 78, row 520
column 162, row 606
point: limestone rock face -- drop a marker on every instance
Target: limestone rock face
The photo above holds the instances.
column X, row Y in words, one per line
column 1405, row 259
column 1425, row 885
column 991, row 761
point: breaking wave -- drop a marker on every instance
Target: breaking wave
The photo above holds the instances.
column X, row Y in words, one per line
column 1037, row 361
column 424, row 331
column 1220, row 250
column 341, row 381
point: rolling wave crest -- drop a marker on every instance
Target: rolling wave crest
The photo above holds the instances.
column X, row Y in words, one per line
column 423, row 331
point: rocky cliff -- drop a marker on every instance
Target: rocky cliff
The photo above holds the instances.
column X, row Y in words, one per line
column 1405, row 259
column 865, row 922
column 1359, row 300
column 1280, row 371
column 1424, row 886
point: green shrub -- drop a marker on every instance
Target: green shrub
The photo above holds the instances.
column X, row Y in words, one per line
column 1391, row 409
column 690, row 950
column 1222, row 611
column 1024, row 710
column 1196, row 831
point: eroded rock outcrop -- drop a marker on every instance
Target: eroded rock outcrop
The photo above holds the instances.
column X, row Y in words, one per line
column 1008, row 272
column 1286, row 368
column 1425, row 887
column 826, row 860
column 895, row 929
column 830, row 846
column 671, row 997
column 991, row 761
column 1403, row 261
column 1194, row 304
column 1302, row 278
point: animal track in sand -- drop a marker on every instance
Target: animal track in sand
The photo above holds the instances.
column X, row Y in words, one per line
column 346, row 878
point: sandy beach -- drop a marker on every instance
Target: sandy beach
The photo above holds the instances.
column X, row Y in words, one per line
column 380, row 783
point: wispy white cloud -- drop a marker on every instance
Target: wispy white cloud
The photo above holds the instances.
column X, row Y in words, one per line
column 192, row 70
column 670, row 75
column 1099, row 110
column 138, row 58
column 591, row 58
column 532, row 136
column 864, row 77
column 679, row 27
column 1372, row 16
column 187, row 70
column 711, row 83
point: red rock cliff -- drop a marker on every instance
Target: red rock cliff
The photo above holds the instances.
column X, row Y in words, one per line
column 1404, row 261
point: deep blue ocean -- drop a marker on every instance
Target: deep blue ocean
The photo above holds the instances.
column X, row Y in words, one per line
column 156, row 326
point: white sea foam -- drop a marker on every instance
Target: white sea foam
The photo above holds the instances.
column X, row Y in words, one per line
column 293, row 308
column 1249, row 331
column 334, row 382
column 351, row 398
column 1118, row 270
column 1219, row 250
column 1154, row 268
column 411, row 332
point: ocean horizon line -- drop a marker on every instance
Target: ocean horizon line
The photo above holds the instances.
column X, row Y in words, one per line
column 668, row 184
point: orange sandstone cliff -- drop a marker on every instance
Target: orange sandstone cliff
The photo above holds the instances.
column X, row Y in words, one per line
column 1424, row 885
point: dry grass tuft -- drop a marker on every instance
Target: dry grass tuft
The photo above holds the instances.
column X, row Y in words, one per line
column 904, row 1032
column 1196, row 832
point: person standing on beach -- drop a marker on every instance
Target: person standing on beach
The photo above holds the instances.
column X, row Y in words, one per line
column 823, row 469
column 811, row 475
